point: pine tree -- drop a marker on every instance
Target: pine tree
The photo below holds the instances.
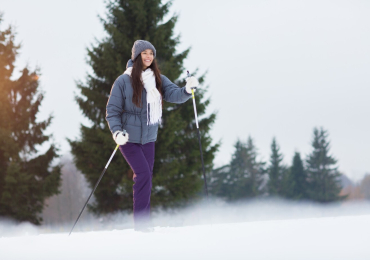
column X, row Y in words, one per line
column 296, row 184
column 276, row 171
column 245, row 175
column 177, row 168
column 323, row 176
column 26, row 176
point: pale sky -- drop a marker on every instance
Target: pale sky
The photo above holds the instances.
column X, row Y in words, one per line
column 275, row 68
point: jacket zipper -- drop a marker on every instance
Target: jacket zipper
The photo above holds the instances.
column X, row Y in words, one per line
column 141, row 122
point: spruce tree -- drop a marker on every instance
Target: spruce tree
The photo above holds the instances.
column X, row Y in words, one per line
column 276, row 171
column 177, row 167
column 26, row 176
column 217, row 181
column 245, row 175
column 296, row 184
column 323, row 175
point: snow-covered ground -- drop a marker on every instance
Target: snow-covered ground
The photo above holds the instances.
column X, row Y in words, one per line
column 251, row 230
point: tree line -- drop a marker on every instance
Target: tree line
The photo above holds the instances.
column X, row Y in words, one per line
column 359, row 190
column 315, row 178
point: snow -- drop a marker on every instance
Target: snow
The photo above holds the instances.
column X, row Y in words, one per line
column 252, row 230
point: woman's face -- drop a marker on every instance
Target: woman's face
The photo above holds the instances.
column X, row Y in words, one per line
column 147, row 57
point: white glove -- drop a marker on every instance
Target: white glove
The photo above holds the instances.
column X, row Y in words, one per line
column 191, row 82
column 120, row 137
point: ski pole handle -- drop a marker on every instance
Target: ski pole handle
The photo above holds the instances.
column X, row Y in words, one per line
column 192, row 87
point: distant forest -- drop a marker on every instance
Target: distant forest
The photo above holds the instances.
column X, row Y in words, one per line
column 230, row 182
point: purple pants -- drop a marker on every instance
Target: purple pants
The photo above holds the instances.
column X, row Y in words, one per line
column 141, row 160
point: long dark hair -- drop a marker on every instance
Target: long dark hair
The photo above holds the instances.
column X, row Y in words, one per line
column 137, row 83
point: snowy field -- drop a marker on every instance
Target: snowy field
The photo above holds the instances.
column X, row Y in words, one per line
column 250, row 230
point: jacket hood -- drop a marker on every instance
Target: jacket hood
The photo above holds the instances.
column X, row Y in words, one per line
column 129, row 64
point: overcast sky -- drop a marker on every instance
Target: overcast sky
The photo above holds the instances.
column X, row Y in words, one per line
column 275, row 68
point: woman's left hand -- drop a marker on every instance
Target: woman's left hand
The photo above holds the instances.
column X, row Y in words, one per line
column 191, row 83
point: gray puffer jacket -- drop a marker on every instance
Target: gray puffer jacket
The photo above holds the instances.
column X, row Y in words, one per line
column 122, row 113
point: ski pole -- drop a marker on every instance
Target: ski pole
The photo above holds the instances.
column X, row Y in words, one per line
column 200, row 144
column 96, row 185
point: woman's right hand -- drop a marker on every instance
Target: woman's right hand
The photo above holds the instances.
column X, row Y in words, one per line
column 191, row 83
column 120, row 137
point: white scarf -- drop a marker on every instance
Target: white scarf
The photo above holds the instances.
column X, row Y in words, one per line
column 153, row 97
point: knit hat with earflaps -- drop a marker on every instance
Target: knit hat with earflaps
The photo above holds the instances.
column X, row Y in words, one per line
column 140, row 46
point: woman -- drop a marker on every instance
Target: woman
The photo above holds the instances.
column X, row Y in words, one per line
column 134, row 111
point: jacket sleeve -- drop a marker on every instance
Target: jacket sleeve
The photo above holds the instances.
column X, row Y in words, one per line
column 115, row 106
column 173, row 93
